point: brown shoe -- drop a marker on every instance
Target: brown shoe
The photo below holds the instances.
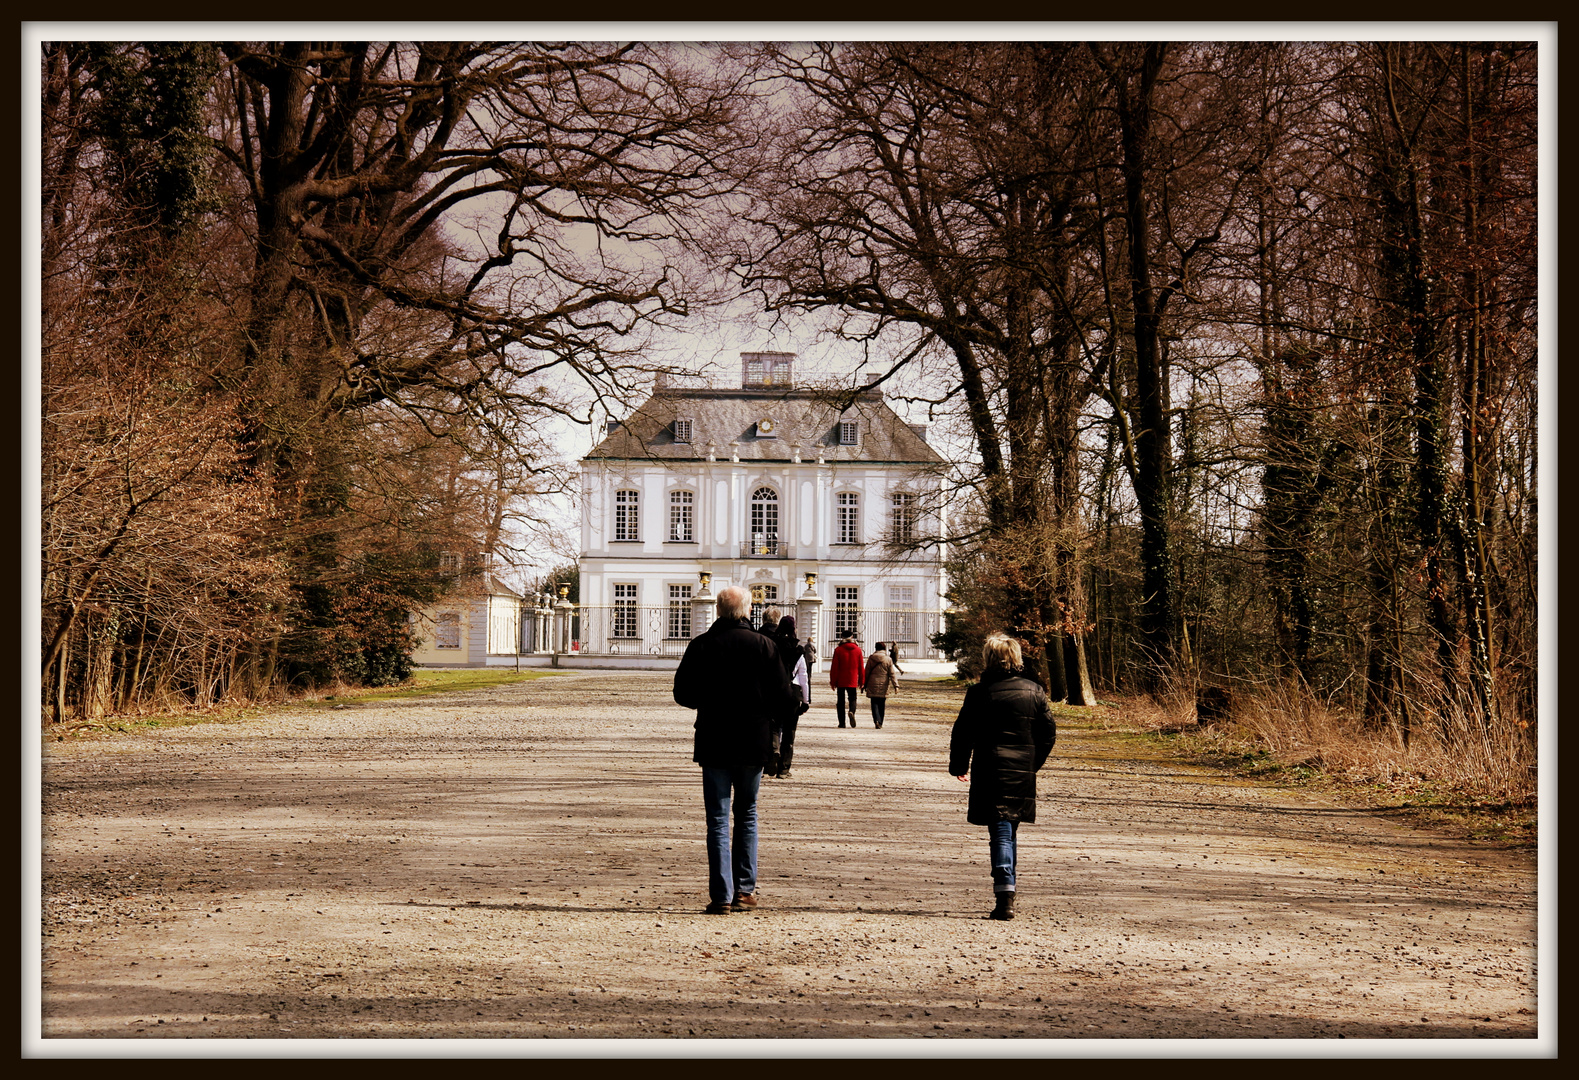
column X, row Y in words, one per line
column 716, row 909
column 748, row 902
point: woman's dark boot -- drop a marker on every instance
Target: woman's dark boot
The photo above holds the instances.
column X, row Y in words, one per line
column 1005, row 909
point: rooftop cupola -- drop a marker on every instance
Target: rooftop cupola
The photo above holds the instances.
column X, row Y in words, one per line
column 767, row 369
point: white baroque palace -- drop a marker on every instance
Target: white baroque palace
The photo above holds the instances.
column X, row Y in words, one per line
column 823, row 502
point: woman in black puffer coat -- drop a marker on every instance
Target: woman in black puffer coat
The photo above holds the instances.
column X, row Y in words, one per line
column 792, row 656
column 1005, row 730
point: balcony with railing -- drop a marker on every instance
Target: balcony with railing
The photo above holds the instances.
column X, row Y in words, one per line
column 764, row 547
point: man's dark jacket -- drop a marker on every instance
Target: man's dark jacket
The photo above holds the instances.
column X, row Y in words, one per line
column 732, row 677
column 1004, row 733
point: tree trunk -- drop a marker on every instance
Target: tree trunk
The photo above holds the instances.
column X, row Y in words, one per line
column 1078, row 674
column 1152, row 450
column 1473, row 568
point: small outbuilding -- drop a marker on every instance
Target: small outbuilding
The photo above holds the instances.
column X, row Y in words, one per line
column 477, row 625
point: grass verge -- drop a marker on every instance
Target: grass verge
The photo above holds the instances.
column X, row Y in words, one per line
column 421, row 684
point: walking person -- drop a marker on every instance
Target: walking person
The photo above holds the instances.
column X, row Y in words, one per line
column 1003, row 734
column 770, row 622
column 732, row 677
column 881, row 680
column 769, row 628
column 793, row 658
column 846, row 674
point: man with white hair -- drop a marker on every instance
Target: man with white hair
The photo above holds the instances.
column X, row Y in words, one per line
column 732, row 677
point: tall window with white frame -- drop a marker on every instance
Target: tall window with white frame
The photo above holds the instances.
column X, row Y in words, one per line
column 849, row 432
column 902, row 613
column 846, row 610
column 905, row 515
column 627, row 521
column 764, row 521
column 849, row 518
column 624, row 611
column 681, row 504
column 679, row 611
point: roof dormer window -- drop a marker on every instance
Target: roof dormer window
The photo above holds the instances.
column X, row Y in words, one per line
column 849, row 432
column 682, row 430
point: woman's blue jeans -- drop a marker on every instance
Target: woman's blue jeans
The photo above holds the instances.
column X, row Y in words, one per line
column 1001, row 840
column 739, row 853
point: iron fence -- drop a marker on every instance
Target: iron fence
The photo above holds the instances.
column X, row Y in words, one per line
column 911, row 631
column 633, row 630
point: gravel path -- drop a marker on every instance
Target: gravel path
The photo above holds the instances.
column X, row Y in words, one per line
column 528, row 862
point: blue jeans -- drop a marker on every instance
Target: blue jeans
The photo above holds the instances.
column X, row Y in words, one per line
column 740, row 856
column 1001, row 836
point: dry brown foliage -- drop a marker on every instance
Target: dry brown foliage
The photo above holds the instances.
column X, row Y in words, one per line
column 1481, row 777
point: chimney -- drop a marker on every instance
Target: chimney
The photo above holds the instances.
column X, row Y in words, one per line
column 920, row 430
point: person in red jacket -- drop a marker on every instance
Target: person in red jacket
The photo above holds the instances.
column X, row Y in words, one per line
column 846, row 674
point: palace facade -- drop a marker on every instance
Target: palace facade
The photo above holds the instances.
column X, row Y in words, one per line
column 824, row 502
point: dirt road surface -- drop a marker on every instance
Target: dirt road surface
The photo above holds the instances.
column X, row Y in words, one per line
column 528, row 862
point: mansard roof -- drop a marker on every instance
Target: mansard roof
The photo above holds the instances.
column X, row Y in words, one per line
column 729, row 421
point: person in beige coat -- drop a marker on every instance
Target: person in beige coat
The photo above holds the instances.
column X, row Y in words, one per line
column 882, row 678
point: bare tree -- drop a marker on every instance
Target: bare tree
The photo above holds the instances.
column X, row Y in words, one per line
column 360, row 250
column 925, row 196
column 1446, row 134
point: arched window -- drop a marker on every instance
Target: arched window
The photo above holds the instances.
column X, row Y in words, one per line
column 764, row 521
column 626, row 520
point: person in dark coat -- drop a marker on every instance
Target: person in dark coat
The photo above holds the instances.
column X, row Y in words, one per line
column 770, row 622
column 732, row 677
column 793, row 659
column 1003, row 734
column 769, row 628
